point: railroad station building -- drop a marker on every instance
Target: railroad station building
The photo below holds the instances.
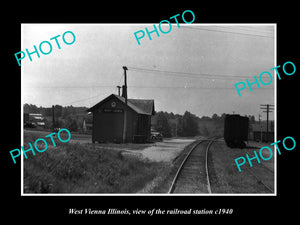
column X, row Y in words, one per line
column 118, row 119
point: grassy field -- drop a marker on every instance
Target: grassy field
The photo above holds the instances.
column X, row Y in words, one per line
column 84, row 168
column 102, row 168
column 226, row 178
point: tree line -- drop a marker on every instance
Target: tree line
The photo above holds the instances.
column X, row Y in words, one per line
column 169, row 124
column 190, row 125
column 69, row 117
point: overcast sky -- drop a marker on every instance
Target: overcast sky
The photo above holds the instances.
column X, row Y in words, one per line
column 192, row 68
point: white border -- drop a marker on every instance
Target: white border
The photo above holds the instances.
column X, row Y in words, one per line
column 154, row 194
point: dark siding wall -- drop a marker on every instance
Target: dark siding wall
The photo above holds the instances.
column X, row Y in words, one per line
column 236, row 127
column 108, row 126
column 144, row 125
column 131, row 125
column 108, row 122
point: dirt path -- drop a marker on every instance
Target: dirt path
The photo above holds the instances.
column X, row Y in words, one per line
column 165, row 151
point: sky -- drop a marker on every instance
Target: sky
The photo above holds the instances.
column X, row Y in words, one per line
column 193, row 68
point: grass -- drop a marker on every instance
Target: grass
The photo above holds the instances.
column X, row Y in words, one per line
column 227, row 179
column 79, row 168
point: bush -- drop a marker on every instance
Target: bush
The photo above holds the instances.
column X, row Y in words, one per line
column 76, row 168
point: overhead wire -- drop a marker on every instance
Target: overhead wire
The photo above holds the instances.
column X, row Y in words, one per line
column 191, row 75
column 176, row 73
column 248, row 29
column 185, row 86
column 209, row 76
column 222, row 31
column 193, row 87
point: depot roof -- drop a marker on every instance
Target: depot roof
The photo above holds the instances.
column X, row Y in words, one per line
column 140, row 106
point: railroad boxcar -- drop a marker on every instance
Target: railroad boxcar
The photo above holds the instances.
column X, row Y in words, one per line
column 236, row 130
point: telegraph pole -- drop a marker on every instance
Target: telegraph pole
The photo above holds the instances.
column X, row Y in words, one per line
column 259, row 116
column 125, row 84
column 269, row 109
column 125, row 112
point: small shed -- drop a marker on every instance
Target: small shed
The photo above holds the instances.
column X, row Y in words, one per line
column 116, row 119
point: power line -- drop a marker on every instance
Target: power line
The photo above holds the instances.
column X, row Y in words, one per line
column 191, row 87
column 119, row 83
column 151, row 87
column 230, row 32
column 85, row 99
column 161, row 87
column 71, row 87
column 113, row 86
column 191, row 75
column 80, row 100
column 249, row 29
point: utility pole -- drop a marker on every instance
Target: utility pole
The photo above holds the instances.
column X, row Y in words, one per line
column 125, row 84
column 269, row 109
column 260, row 127
column 125, row 112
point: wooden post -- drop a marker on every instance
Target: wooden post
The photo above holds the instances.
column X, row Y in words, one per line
column 124, row 126
column 267, row 122
column 125, row 83
column 125, row 113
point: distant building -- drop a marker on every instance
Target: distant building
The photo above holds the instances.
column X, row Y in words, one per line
column 259, row 132
column 34, row 120
column 118, row 119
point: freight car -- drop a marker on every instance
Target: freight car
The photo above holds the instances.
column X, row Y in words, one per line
column 236, row 130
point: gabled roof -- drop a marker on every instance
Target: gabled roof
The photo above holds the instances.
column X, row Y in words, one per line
column 140, row 106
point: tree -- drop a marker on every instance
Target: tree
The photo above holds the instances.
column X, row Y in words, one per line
column 29, row 108
column 215, row 117
column 205, row 131
column 47, row 111
column 251, row 119
column 162, row 125
column 223, row 117
column 190, row 124
column 58, row 110
column 71, row 124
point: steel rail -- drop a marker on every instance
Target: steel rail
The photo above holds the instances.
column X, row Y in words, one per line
column 173, row 184
column 206, row 167
column 259, row 180
column 262, row 165
column 181, row 166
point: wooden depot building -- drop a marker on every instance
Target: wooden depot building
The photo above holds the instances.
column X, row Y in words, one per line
column 118, row 119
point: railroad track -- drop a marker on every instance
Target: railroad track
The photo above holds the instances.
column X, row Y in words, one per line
column 258, row 179
column 192, row 175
